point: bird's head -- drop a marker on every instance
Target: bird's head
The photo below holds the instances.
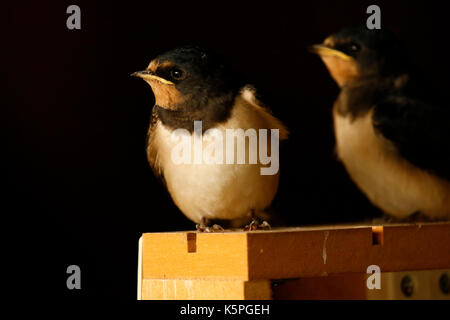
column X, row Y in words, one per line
column 357, row 53
column 190, row 79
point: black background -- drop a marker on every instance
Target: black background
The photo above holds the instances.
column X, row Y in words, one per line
column 78, row 185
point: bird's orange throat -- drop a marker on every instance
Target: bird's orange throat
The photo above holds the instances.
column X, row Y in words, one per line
column 166, row 96
column 342, row 71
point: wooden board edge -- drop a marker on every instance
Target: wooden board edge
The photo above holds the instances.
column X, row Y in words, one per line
column 139, row 271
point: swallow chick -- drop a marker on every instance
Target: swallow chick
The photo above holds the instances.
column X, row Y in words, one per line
column 192, row 85
column 391, row 136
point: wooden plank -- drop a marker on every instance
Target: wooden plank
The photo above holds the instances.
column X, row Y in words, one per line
column 335, row 251
column 295, row 252
column 425, row 284
column 179, row 289
column 350, row 286
column 217, row 255
column 139, row 271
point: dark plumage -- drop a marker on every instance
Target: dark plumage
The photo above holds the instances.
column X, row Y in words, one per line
column 420, row 131
column 206, row 82
column 192, row 84
column 392, row 135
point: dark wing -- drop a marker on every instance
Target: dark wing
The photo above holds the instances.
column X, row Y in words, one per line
column 152, row 149
column 419, row 131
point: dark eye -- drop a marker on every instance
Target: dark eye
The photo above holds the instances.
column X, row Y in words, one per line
column 353, row 47
column 176, row 74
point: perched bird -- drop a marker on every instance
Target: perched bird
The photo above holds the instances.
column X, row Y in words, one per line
column 193, row 84
column 392, row 134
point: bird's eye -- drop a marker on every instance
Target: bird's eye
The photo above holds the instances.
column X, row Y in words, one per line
column 176, row 74
column 354, row 47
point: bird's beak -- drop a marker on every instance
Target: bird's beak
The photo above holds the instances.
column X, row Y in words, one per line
column 150, row 75
column 323, row 50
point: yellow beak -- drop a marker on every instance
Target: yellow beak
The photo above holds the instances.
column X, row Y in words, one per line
column 323, row 50
column 149, row 75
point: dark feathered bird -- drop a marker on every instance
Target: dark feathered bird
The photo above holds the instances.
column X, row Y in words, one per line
column 392, row 135
column 192, row 84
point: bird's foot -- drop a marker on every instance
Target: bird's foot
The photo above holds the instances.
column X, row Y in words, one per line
column 204, row 228
column 255, row 225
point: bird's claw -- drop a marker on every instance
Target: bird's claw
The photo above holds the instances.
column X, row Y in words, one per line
column 216, row 228
column 251, row 226
column 204, row 228
column 265, row 226
column 254, row 225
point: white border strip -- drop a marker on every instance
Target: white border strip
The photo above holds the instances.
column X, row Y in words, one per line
column 139, row 286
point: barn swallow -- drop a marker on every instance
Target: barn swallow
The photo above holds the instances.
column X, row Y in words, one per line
column 391, row 136
column 191, row 84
